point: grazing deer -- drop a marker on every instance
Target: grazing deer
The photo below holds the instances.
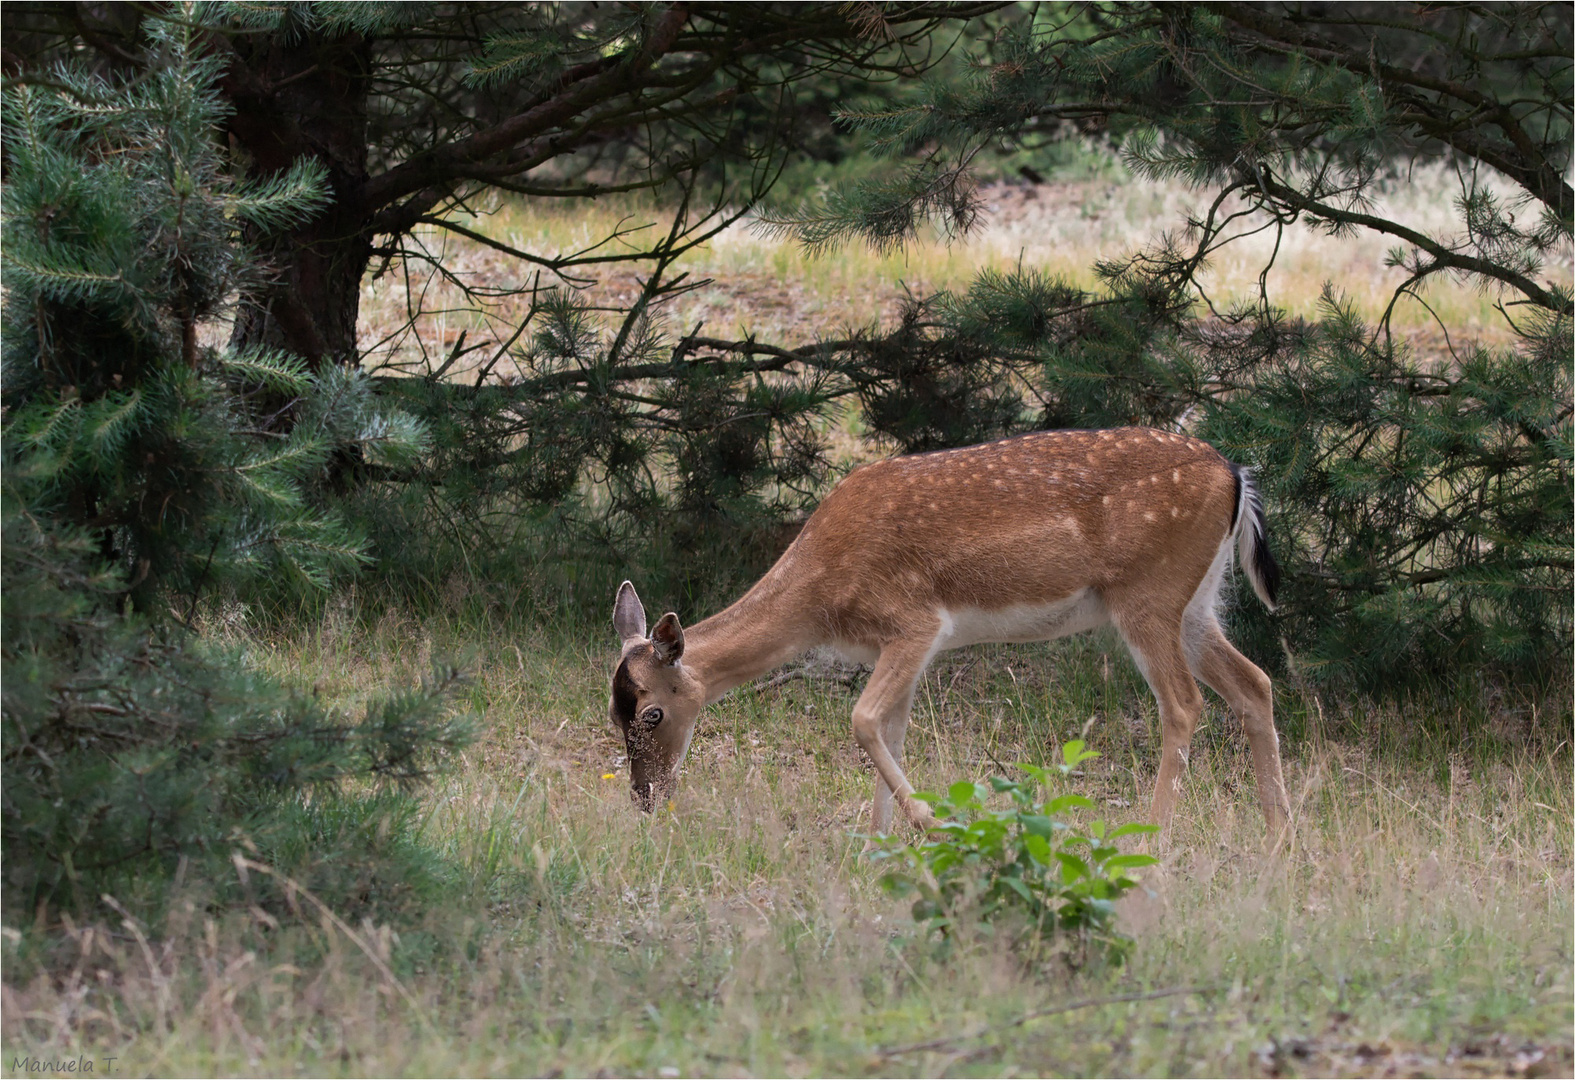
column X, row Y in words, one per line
column 1025, row 539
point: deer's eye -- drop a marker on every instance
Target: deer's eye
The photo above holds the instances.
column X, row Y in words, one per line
column 652, row 716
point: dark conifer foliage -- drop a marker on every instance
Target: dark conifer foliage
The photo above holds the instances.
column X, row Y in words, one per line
column 141, row 474
column 131, row 749
column 122, row 252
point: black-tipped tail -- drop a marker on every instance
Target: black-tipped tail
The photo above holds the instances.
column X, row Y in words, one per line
column 1252, row 541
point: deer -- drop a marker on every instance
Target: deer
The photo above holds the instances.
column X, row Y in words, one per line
column 1028, row 538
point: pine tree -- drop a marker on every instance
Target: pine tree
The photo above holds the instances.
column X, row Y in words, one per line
column 416, row 111
column 122, row 245
column 418, row 117
column 139, row 471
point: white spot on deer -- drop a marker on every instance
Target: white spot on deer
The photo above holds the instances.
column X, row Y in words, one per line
column 1105, row 500
column 1174, row 511
column 1148, row 515
column 1175, row 475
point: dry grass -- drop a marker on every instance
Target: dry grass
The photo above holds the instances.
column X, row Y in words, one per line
column 773, row 289
column 1420, row 925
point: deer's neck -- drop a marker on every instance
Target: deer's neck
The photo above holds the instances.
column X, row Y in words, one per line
column 764, row 629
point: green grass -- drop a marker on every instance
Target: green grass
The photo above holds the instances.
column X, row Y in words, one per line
column 1420, row 923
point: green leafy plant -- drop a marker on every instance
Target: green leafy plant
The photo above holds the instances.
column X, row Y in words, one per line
column 1027, row 861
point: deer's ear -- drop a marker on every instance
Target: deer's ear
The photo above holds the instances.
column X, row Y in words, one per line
column 668, row 637
column 628, row 613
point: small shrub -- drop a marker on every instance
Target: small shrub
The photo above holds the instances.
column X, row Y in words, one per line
column 978, row 864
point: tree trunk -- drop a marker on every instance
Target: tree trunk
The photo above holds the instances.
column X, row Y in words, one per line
column 298, row 94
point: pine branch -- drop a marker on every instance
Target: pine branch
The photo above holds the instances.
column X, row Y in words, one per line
column 1443, row 257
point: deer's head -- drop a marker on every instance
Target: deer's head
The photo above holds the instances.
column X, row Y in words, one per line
column 655, row 699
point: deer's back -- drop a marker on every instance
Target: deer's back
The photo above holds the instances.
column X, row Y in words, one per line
column 1033, row 520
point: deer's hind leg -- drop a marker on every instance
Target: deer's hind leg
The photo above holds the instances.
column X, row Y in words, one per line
column 1247, row 690
column 1153, row 636
column 880, row 724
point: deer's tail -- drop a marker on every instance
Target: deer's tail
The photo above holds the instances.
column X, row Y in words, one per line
column 1252, row 540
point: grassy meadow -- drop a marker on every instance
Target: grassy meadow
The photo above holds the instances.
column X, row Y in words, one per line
column 1418, row 923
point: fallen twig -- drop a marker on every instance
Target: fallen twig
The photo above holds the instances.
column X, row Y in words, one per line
column 848, row 678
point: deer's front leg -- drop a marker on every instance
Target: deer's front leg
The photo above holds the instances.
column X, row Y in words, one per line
column 880, row 724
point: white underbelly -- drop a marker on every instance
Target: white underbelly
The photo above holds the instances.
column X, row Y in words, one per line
column 1083, row 610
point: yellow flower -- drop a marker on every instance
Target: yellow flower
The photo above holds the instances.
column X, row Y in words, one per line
column 608, row 775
